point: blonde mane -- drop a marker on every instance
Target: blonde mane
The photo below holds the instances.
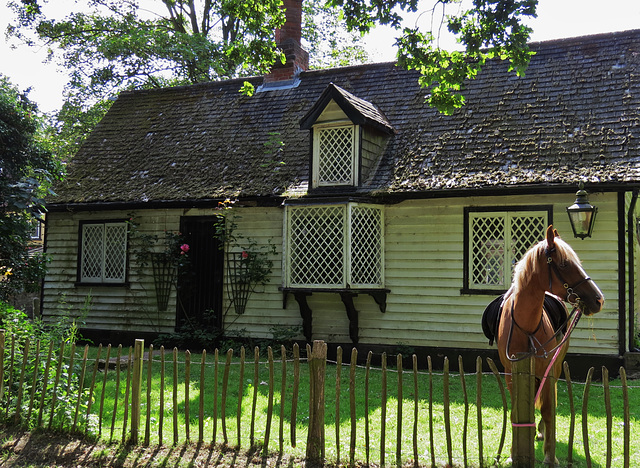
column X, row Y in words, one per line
column 530, row 264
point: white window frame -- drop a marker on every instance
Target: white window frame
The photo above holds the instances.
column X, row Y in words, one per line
column 345, row 249
column 36, row 230
column 354, row 168
column 104, row 249
column 509, row 256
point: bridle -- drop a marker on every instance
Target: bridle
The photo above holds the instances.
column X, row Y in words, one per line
column 572, row 297
column 553, row 268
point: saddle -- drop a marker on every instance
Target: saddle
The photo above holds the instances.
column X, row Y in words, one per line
column 554, row 308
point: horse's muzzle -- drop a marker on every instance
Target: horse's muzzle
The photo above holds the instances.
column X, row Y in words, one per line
column 592, row 307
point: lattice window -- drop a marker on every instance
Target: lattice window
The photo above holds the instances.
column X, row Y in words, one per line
column 334, row 246
column 334, row 156
column 104, row 252
column 366, row 246
column 497, row 240
column 316, row 245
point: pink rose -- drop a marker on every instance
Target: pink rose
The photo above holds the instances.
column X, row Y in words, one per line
column 245, row 254
column 184, row 248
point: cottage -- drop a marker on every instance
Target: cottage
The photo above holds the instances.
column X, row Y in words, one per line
column 391, row 223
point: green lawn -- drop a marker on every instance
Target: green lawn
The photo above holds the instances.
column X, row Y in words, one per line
column 492, row 411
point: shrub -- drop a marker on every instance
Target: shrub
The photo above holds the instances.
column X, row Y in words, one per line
column 31, row 368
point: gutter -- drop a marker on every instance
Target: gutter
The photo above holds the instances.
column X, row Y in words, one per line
column 631, row 262
column 160, row 204
column 376, row 196
column 622, row 296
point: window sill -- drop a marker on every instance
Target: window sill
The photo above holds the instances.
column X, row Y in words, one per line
column 336, row 290
column 80, row 284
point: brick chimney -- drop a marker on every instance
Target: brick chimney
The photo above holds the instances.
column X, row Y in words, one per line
column 288, row 39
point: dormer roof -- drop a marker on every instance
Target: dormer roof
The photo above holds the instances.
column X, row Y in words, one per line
column 359, row 111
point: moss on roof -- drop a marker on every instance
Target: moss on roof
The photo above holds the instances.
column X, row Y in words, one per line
column 574, row 116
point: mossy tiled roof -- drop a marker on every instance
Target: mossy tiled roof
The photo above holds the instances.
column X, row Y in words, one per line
column 573, row 116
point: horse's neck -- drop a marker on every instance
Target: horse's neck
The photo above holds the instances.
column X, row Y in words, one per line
column 527, row 307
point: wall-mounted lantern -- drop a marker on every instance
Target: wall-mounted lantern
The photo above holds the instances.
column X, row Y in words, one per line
column 582, row 215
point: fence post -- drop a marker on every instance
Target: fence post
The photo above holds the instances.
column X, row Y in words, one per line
column 136, row 390
column 522, row 413
column 317, row 367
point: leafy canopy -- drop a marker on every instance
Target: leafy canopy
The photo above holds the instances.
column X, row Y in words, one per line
column 113, row 45
column 487, row 29
column 26, row 171
column 122, row 44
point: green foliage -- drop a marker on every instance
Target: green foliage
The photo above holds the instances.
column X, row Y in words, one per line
column 327, row 39
column 194, row 336
column 109, row 46
column 27, row 347
column 281, row 335
column 28, row 168
column 73, row 124
column 258, row 259
column 491, row 29
column 170, row 249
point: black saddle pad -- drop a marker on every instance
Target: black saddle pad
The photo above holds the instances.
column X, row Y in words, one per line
column 554, row 307
column 491, row 318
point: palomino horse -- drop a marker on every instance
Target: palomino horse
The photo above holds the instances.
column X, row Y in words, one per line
column 526, row 328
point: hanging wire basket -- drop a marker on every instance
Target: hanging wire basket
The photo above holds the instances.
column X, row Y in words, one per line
column 239, row 280
column 164, row 275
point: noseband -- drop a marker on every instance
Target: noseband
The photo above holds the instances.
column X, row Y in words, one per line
column 572, row 296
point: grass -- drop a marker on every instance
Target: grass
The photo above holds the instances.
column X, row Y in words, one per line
column 338, row 440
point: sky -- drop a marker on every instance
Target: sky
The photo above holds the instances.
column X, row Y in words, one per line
column 556, row 19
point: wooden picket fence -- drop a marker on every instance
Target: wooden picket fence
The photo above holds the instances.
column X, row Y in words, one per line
column 121, row 395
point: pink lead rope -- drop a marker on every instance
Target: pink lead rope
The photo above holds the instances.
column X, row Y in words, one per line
column 572, row 325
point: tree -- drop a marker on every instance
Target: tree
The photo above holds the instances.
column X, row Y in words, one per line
column 119, row 44
column 327, row 39
column 489, row 29
column 26, row 171
column 111, row 46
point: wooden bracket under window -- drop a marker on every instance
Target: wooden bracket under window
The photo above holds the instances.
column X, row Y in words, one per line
column 346, row 295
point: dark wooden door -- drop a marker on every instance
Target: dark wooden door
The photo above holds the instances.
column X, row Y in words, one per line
column 200, row 285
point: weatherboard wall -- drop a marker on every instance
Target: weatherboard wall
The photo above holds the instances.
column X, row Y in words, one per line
column 423, row 271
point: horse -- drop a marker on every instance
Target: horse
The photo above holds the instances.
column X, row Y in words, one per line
column 550, row 269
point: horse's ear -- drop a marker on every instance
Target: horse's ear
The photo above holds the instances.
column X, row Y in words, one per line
column 555, row 233
column 550, row 235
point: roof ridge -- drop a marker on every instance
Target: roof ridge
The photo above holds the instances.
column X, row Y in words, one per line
column 587, row 38
column 204, row 84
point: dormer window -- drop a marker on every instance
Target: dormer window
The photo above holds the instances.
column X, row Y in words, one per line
column 348, row 135
column 334, row 155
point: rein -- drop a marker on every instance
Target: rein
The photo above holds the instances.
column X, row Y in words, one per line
column 555, row 356
column 532, row 339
